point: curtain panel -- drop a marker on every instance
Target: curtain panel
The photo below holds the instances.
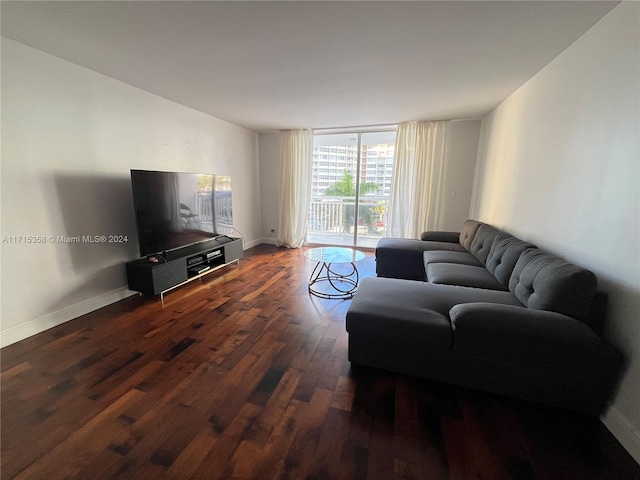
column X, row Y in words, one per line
column 415, row 203
column 295, row 187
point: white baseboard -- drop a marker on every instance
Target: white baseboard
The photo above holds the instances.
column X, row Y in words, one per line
column 269, row 240
column 252, row 243
column 624, row 431
column 39, row 325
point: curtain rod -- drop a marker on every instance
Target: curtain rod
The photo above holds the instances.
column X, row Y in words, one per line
column 378, row 126
column 381, row 126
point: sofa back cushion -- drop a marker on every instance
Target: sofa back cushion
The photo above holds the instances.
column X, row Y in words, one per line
column 467, row 233
column 504, row 254
column 544, row 282
column 482, row 241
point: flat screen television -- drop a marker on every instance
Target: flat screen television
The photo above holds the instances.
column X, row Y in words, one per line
column 176, row 209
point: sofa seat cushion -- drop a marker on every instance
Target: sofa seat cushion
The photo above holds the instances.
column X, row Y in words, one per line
column 463, row 258
column 402, row 258
column 398, row 311
column 544, row 282
column 395, row 246
column 463, row 275
column 412, row 312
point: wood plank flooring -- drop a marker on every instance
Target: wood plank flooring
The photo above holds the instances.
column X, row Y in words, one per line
column 244, row 375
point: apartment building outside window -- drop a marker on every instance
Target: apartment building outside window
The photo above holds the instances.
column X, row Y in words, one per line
column 351, row 182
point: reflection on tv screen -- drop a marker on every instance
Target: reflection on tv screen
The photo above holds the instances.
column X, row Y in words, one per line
column 175, row 209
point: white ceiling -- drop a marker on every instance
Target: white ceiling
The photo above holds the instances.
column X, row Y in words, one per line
column 280, row 65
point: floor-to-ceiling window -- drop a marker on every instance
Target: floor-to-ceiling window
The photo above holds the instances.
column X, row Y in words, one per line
column 351, row 180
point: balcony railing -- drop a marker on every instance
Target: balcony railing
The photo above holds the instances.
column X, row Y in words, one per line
column 204, row 213
column 332, row 220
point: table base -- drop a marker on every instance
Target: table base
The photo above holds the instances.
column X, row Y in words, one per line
column 344, row 285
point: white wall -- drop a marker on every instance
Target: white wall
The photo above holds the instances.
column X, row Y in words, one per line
column 269, row 153
column 558, row 165
column 69, row 138
column 460, row 165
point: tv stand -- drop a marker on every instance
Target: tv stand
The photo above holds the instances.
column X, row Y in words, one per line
column 183, row 265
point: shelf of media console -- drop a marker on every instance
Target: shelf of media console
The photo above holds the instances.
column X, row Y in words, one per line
column 160, row 274
column 195, row 276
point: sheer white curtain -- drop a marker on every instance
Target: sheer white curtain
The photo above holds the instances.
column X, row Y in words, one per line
column 295, row 186
column 416, row 203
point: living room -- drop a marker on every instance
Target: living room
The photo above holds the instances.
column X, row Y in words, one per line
column 556, row 164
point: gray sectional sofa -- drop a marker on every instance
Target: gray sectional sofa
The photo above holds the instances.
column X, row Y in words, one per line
column 486, row 310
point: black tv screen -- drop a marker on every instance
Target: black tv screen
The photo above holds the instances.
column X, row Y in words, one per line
column 175, row 209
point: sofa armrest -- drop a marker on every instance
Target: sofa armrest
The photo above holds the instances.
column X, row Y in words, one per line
column 533, row 337
column 450, row 237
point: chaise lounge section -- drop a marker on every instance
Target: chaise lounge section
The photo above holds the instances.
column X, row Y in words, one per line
column 485, row 310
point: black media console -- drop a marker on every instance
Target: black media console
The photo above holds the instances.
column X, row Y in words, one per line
column 157, row 274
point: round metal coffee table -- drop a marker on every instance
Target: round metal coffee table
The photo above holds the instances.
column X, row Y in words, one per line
column 343, row 285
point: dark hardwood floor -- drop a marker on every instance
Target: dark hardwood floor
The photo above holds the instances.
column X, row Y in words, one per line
column 244, row 375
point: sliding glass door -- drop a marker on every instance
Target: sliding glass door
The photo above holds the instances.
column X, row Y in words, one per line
column 351, row 179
